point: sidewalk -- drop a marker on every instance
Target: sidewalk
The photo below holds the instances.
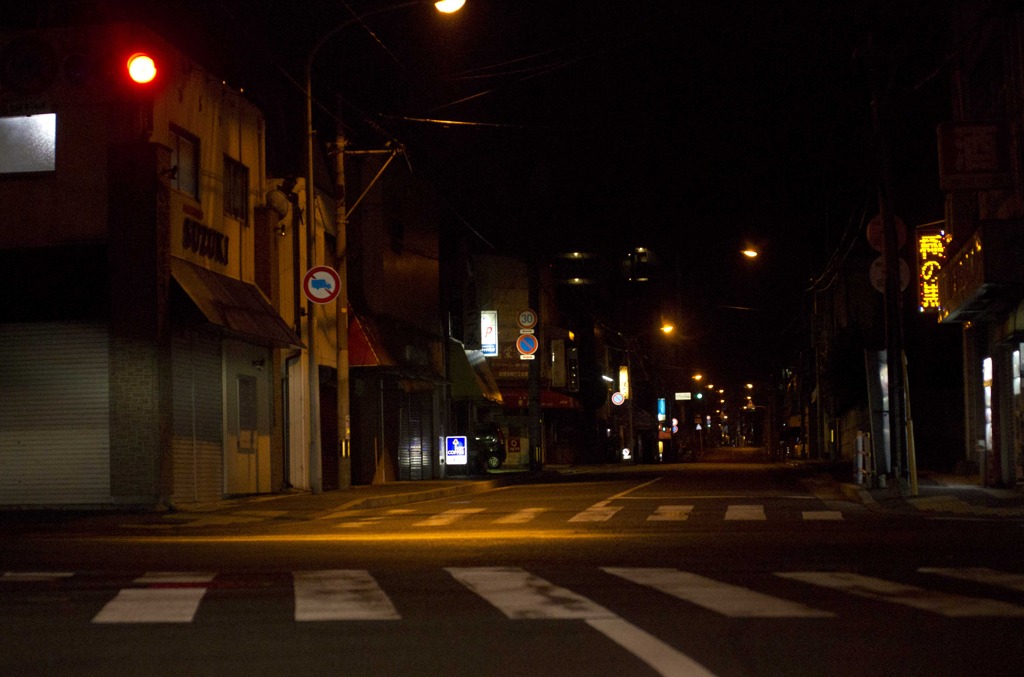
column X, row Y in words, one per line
column 289, row 507
column 941, row 494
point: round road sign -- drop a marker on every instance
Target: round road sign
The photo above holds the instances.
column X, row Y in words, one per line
column 527, row 318
column 617, row 398
column 527, row 344
column 322, row 284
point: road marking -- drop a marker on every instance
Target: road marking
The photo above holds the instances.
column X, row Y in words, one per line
column 670, row 513
column 520, row 516
column 361, row 522
column 822, row 515
column 522, row 596
column 745, row 513
column 340, row 595
column 984, row 575
column 447, row 517
column 729, row 600
column 519, row 594
column 664, row 659
column 35, row 576
column 171, row 597
column 624, row 494
column 908, row 595
column 599, row 512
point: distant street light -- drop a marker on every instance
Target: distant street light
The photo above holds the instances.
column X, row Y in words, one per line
column 750, row 253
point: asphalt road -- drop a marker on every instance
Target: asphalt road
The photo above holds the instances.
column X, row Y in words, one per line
column 718, row 568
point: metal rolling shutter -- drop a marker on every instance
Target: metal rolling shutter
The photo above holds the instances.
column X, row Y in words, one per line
column 415, row 436
column 54, row 414
column 198, row 445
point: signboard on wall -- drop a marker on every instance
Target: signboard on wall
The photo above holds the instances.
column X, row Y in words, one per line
column 489, row 333
column 931, row 257
column 974, row 156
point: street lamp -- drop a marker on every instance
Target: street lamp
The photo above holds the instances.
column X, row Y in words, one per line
column 629, row 391
column 315, row 469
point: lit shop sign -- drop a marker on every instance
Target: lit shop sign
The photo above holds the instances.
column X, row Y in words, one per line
column 489, row 333
column 931, row 255
column 455, row 450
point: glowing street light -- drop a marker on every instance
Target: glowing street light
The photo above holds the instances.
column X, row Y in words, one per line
column 449, row 6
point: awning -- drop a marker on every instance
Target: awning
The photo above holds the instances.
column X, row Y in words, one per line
column 238, row 306
column 365, row 346
column 471, row 378
column 379, row 342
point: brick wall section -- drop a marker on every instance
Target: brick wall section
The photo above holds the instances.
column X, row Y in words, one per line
column 140, row 425
column 135, row 441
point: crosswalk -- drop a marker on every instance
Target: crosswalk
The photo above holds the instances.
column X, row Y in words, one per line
column 603, row 599
column 603, row 512
column 337, row 595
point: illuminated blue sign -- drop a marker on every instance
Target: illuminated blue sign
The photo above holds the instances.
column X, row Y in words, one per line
column 455, row 450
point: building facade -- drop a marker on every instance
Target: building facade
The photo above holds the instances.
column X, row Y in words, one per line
column 141, row 352
column 981, row 286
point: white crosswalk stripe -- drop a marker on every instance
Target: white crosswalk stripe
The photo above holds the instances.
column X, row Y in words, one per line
column 980, row 575
column 724, row 598
column 171, row 597
column 908, row 595
column 599, row 512
column 340, row 595
column 520, row 516
column 447, row 517
column 822, row 515
column 745, row 513
column 670, row 513
column 522, row 596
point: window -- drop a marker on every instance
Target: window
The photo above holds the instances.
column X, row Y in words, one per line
column 236, row 189
column 185, row 161
column 28, row 144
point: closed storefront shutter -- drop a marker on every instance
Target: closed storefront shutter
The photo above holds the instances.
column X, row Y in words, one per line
column 415, row 437
column 198, row 445
column 54, row 414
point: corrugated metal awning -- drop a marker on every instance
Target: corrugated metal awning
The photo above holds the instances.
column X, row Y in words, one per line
column 471, row 378
column 238, row 306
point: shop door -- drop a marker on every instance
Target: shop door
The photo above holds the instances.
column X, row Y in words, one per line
column 247, row 439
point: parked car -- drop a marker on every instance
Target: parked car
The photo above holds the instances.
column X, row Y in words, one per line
column 487, row 447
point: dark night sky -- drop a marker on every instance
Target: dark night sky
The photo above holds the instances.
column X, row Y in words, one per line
column 691, row 128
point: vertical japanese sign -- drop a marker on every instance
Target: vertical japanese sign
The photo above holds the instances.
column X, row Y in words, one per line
column 931, row 256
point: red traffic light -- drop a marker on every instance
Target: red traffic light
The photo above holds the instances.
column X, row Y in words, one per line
column 141, row 68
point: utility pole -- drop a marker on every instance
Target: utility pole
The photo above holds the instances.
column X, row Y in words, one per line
column 893, row 300
column 533, row 294
column 341, row 317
